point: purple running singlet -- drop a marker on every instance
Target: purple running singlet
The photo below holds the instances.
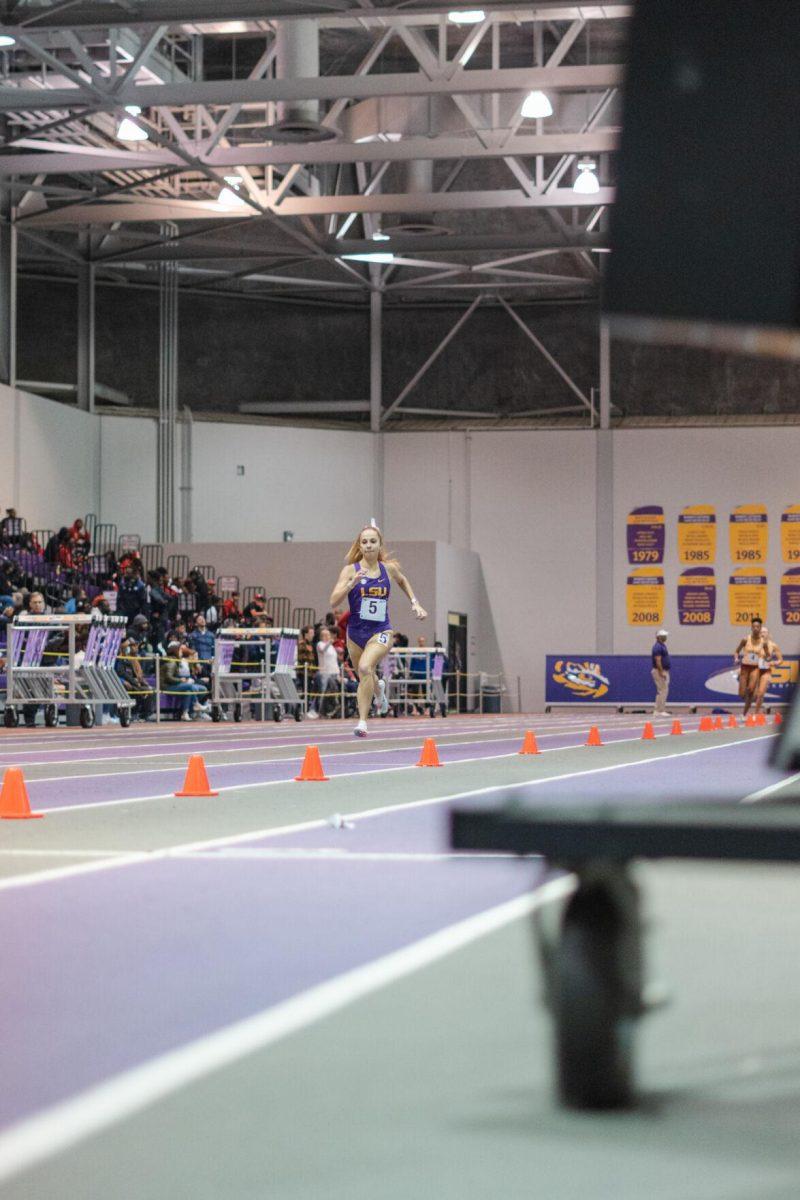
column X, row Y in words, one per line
column 369, row 607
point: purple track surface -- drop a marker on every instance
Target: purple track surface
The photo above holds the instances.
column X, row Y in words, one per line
column 115, row 967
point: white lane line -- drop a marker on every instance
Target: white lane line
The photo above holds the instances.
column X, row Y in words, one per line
column 131, row 858
column 240, row 787
column 754, row 797
column 547, row 727
column 443, row 738
column 346, row 856
column 27, row 853
column 64, row 1125
column 267, row 735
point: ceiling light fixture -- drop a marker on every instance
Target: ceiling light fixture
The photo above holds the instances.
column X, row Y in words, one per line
column 228, row 198
column 536, row 104
column 587, row 183
column 469, row 16
column 7, row 40
column 234, row 180
column 376, row 257
column 128, row 130
column 378, row 236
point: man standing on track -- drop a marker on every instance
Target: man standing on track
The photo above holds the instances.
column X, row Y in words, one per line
column 660, row 660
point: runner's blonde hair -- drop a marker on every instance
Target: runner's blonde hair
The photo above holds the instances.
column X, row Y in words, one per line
column 354, row 553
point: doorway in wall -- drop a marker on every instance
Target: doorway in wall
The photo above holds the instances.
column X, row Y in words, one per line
column 457, row 654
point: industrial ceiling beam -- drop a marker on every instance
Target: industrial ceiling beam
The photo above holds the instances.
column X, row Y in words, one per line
column 324, row 87
column 92, row 14
column 64, row 159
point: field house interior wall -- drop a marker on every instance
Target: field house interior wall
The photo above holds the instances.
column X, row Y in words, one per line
column 49, row 458
column 723, row 467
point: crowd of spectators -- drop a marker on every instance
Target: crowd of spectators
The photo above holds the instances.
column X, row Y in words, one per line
column 172, row 624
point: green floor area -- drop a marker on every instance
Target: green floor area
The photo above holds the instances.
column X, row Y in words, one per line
column 439, row 1085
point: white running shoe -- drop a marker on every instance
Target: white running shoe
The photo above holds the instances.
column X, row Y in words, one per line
column 383, row 703
column 312, row 715
column 360, row 729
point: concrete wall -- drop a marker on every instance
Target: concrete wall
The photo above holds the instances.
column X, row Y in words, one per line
column 127, row 474
column 724, row 467
column 49, row 459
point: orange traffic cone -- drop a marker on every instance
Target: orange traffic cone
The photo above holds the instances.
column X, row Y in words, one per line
column 196, row 781
column 777, row 719
column 750, row 720
column 705, row 724
column 311, row 770
column 732, row 722
column 14, row 802
column 718, row 723
column 594, row 737
column 430, row 755
column 529, row 745
column 760, row 719
column 648, row 733
column 676, row 730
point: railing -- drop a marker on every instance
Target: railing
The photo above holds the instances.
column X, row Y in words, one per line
column 279, row 608
column 178, row 566
column 303, row 616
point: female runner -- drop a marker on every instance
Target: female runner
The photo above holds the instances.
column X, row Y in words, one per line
column 366, row 581
column 755, row 655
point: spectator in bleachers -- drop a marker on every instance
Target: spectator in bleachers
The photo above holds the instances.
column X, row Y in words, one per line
column 132, row 594
column 213, row 612
column 231, row 609
column 76, row 597
column 417, row 675
column 327, row 677
column 129, row 668
column 175, row 673
column 11, row 528
column 79, row 541
column 256, row 607
column 202, row 641
column 306, row 660
column 201, row 589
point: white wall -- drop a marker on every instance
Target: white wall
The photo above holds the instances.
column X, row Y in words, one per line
column 49, row 459
column 724, row 467
column 127, row 474
column 316, row 482
column 524, row 502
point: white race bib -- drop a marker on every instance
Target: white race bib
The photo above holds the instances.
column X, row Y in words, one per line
column 372, row 609
column 750, row 659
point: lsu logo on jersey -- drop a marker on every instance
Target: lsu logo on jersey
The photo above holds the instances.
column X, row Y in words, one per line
column 581, row 678
column 377, row 591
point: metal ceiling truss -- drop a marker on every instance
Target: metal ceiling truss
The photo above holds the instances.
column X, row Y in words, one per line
column 495, row 213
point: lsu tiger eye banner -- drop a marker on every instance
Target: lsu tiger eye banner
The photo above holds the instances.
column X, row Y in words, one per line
column 790, row 596
column 697, row 534
column 645, row 596
column 697, row 596
column 646, row 534
column 747, row 598
column 790, row 533
column 748, row 531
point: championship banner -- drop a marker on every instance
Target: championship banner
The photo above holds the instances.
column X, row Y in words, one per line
column 790, row 533
column 646, row 534
column 747, row 598
column 697, row 596
column 626, row 679
column 697, row 534
column 790, row 597
column 645, row 596
column 748, row 531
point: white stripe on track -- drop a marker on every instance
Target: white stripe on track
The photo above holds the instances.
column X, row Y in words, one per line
column 754, row 797
column 134, row 857
column 347, row 856
column 59, row 1128
column 234, row 787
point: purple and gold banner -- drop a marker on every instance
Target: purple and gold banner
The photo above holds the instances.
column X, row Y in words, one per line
column 646, row 534
column 747, row 598
column 748, row 532
column 790, row 596
column 645, row 596
column 697, row 534
column 790, row 533
column 697, row 596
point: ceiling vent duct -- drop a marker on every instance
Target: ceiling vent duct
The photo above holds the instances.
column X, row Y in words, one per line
column 297, row 57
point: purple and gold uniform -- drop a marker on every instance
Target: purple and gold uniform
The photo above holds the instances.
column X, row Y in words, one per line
column 369, row 607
